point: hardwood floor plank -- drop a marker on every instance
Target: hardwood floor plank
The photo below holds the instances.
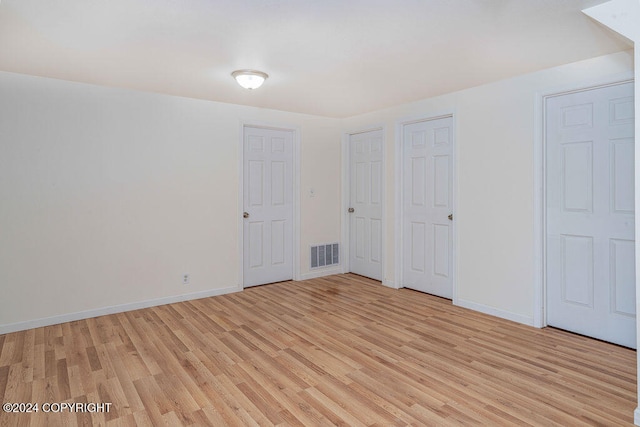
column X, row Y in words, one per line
column 355, row 403
column 338, row 350
column 392, row 401
column 153, row 399
column 4, row 379
column 75, row 382
column 342, row 415
column 6, row 355
column 262, row 400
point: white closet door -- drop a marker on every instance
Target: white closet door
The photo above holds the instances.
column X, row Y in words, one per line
column 268, row 206
column 365, row 217
column 590, row 213
column 427, row 232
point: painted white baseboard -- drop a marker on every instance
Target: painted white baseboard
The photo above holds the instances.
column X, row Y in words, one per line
column 389, row 284
column 321, row 273
column 636, row 416
column 87, row 314
column 494, row 311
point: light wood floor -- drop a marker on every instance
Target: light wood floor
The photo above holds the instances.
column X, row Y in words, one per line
column 342, row 350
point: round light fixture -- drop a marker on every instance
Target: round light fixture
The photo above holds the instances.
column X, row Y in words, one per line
column 249, row 79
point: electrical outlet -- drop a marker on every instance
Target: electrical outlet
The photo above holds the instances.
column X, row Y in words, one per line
column 185, row 279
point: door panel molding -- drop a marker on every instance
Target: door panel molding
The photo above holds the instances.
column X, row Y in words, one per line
column 579, row 218
column 539, row 181
column 346, row 199
column 399, row 186
column 296, row 132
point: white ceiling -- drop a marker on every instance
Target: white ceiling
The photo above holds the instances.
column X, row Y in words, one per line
column 327, row 57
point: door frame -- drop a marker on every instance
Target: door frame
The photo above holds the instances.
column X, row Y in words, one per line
column 399, row 185
column 295, row 131
column 540, row 183
column 346, row 197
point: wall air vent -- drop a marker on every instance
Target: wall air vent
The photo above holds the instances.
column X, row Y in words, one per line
column 325, row 255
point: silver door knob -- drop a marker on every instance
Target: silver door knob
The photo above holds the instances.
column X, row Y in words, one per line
column 450, row 217
column 245, row 215
column 351, row 210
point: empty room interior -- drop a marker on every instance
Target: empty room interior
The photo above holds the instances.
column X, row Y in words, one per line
column 359, row 213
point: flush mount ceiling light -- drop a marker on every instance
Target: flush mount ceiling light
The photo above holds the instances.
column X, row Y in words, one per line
column 249, row 79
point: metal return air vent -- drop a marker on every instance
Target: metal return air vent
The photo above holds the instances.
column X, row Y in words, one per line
column 324, row 255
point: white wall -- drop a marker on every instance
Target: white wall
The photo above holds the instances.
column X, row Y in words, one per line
column 108, row 196
column 496, row 129
column 637, row 225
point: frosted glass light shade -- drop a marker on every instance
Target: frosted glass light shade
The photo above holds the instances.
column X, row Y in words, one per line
column 250, row 79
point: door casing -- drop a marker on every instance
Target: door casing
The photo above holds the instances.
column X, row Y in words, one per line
column 346, row 199
column 399, row 185
column 540, row 184
column 588, row 209
column 296, row 192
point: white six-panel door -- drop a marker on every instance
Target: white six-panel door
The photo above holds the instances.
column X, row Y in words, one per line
column 427, row 202
column 268, row 206
column 365, row 217
column 590, row 213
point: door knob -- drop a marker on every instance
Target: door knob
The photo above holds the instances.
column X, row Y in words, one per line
column 450, row 216
column 245, row 215
column 351, row 210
